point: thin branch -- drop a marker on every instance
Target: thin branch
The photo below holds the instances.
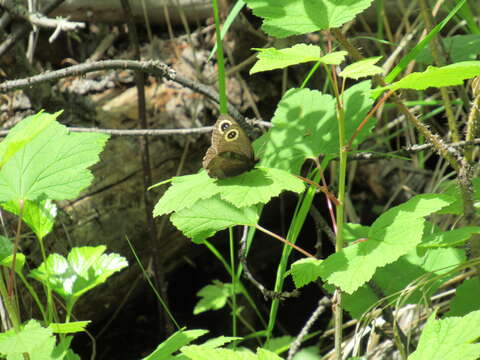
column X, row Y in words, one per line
column 36, row 19
column 152, row 67
column 22, row 30
column 323, row 304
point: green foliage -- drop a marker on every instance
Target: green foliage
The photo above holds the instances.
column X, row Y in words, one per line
column 21, row 135
column 174, row 343
column 38, row 214
column 410, row 269
column 304, row 126
column 284, row 18
column 53, row 164
column 451, row 338
column 69, row 328
column 448, row 75
column 464, row 302
column 38, row 342
column 208, row 216
column 82, row 270
column 271, row 58
column 213, row 297
column 458, row 47
column 362, row 68
column 254, row 187
column 393, row 234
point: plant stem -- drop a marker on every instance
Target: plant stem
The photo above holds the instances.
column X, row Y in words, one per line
column 220, row 60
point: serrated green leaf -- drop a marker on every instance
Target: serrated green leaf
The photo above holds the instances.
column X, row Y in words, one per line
column 184, row 192
column 23, row 133
column 393, row 278
column 304, row 271
column 220, row 341
column 362, row 68
column 305, row 126
column 174, row 343
column 85, row 268
column 464, row 302
column 68, row 328
column 32, row 339
column 449, row 75
column 392, row 235
column 256, row 186
column 284, row 18
column 54, row 164
column 213, row 297
column 271, row 58
column 208, row 216
column 38, row 214
column 451, row 338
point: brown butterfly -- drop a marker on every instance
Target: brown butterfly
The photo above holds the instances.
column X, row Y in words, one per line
column 231, row 151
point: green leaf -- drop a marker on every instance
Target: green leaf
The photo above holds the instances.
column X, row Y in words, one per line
column 450, row 338
column 184, row 192
column 85, row 268
column 263, row 354
column 271, row 58
column 464, row 301
column 38, row 214
column 174, row 343
column 32, row 339
column 305, row 271
column 250, row 188
column 208, row 216
column 459, row 48
column 355, row 232
column 284, row 18
column 6, row 255
column 213, row 297
column 200, row 352
column 393, row 278
column 62, row 351
column 67, row 328
column 23, row 133
column 449, row 75
column 278, row 343
column 53, row 164
column 220, row 341
column 305, row 126
column 258, row 186
column 362, row 68
column 392, row 235
column 449, row 238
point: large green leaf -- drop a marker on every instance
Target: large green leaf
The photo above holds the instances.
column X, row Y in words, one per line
column 305, row 126
column 392, row 235
column 284, row 18
column 451, row 338
column 54, row 164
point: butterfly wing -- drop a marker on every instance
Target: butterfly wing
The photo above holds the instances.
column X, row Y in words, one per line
column 231, row 152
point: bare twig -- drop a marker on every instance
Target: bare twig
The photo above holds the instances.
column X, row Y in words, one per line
column 323, row 304
column 21, row 31
column 155, row 68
